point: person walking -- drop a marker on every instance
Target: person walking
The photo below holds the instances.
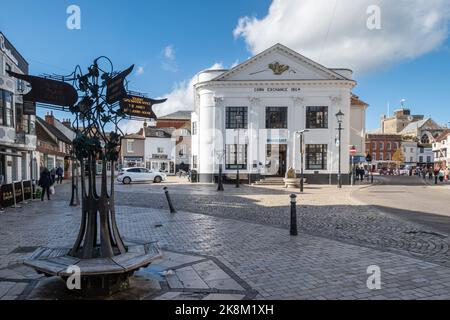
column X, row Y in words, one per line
column 53, row 175
column 436, row 175
column 441, row 175
column 59, row 174
column 362, row 173
column 45, row 182
column 430, row 173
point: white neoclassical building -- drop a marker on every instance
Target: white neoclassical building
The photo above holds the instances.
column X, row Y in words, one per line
column 249, row 118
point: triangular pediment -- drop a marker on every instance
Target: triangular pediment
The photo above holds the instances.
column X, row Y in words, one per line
column 279, row 63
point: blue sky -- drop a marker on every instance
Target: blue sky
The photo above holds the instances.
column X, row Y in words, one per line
column 199, row 33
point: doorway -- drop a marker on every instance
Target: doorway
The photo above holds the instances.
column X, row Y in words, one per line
column 276, row 160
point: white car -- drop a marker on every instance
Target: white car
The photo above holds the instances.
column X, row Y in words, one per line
column 129, row 175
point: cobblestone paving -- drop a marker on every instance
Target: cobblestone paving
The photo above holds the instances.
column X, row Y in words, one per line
column 322, row 211
column 266, row 258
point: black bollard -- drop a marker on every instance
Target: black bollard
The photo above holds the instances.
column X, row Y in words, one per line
column 294, row 231
column 172, row 209
column 220, row 179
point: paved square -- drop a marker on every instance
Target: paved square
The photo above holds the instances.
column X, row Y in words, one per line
column 214, row 257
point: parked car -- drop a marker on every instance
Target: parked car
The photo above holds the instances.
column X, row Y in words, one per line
column 129, row 175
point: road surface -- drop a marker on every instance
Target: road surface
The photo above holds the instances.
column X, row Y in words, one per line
column 410, row 198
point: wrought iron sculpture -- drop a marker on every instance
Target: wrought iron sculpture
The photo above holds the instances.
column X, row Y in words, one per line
column 94, row 142
column 107, row 262
column 98, row 138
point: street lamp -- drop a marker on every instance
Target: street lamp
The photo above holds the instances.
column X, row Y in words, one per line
column 302, row 155
column 340, row 119
column 220, row 155
column 238, row 125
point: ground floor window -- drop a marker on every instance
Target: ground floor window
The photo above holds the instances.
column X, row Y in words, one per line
column 161, row 166
column 316, row 156
column 236, row 156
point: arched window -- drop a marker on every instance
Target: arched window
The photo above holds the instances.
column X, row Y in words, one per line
column 425, row 139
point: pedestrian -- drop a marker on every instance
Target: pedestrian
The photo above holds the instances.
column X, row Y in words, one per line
column 430, row 173
column 53, row 175
column 45, row 182
column 436, row 175
column 441, row 175
column 362, row 173
column 59, row 174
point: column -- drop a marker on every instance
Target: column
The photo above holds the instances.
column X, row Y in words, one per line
column 253, row 134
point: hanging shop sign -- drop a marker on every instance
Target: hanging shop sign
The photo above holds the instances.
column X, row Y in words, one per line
column 6, row 195
column 115, row 87
column 141, row 107
column 29, row 108
column 48, row 91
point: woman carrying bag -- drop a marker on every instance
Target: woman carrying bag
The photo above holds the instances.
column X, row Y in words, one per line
column 45, row 182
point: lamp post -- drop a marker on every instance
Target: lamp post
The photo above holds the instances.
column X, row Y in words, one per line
column 220, row 155
column 302, row 155
column 238, row 125
column 340, row 118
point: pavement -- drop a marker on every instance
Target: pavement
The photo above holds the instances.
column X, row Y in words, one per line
column 236, row 245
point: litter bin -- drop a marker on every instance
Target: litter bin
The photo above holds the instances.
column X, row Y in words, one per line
column 194, row 176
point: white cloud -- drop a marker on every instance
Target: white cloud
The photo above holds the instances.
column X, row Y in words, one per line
column 169, row 52
column 140, row 70
column 181, row 98
column 169, row 61
column 409, row 29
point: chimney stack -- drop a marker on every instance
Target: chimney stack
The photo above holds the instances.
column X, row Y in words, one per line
column 67, row 123
column 50, row 119
column 144, row 129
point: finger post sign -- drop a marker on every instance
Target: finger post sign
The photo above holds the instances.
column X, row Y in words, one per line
column 141, row 107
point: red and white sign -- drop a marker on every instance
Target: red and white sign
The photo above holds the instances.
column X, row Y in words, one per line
column 353, row 151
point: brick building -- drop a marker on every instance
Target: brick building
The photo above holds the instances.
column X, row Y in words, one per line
column 382, row 148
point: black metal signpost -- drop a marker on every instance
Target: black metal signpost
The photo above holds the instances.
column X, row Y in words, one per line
column 107, row 260
column 139, row 106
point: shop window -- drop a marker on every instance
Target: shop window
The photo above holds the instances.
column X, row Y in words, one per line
column 316, row 156
column 236, row 156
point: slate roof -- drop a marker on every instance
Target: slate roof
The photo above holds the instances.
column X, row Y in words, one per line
column 158, row 133
column 443, row 136
column 414, row 125
column 179, row 115
column 136, row 136
column 54, row 131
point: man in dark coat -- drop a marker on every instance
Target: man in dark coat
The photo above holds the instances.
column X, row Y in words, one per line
column 53, row 175
column 45, row 182
column 59, row 174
